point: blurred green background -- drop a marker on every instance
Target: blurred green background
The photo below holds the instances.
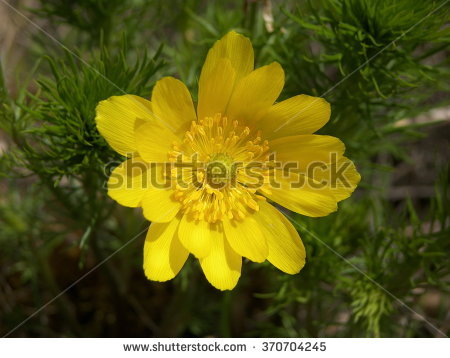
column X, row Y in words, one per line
column 378, row 267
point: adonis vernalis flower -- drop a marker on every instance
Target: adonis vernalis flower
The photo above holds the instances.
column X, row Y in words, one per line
column 206, row 176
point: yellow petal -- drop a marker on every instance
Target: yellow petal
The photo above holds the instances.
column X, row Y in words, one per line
column 164, row 256
column 214, row 89
column 159, row 206
column 246, row 238
column 222, row 266
column 127, row 183
column 137, row 183
column 286, row 250
column 154, row 141
column 172, row 105
column 115, row 119
column 233, row 47
column 255, row 93
column 319, row 162
column 195, row 235
column 341, row 177
column 297, row 115
column 304, row 150
column 301, row 194
column 158, row 203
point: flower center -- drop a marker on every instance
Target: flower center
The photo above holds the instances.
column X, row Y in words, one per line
column 217, row 169
column 220, row 171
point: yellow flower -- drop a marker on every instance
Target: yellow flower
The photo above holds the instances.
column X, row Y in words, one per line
column 203, row 176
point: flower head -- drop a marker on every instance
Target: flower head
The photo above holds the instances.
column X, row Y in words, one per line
column 207, row 176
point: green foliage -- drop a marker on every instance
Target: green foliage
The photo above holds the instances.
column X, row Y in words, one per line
column 93, row 21
column 376, row 61
column 370, row 49
column 88, row 16
column 73, row 146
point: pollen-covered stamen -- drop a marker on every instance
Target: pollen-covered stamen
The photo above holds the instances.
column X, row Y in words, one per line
column 211, row 167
